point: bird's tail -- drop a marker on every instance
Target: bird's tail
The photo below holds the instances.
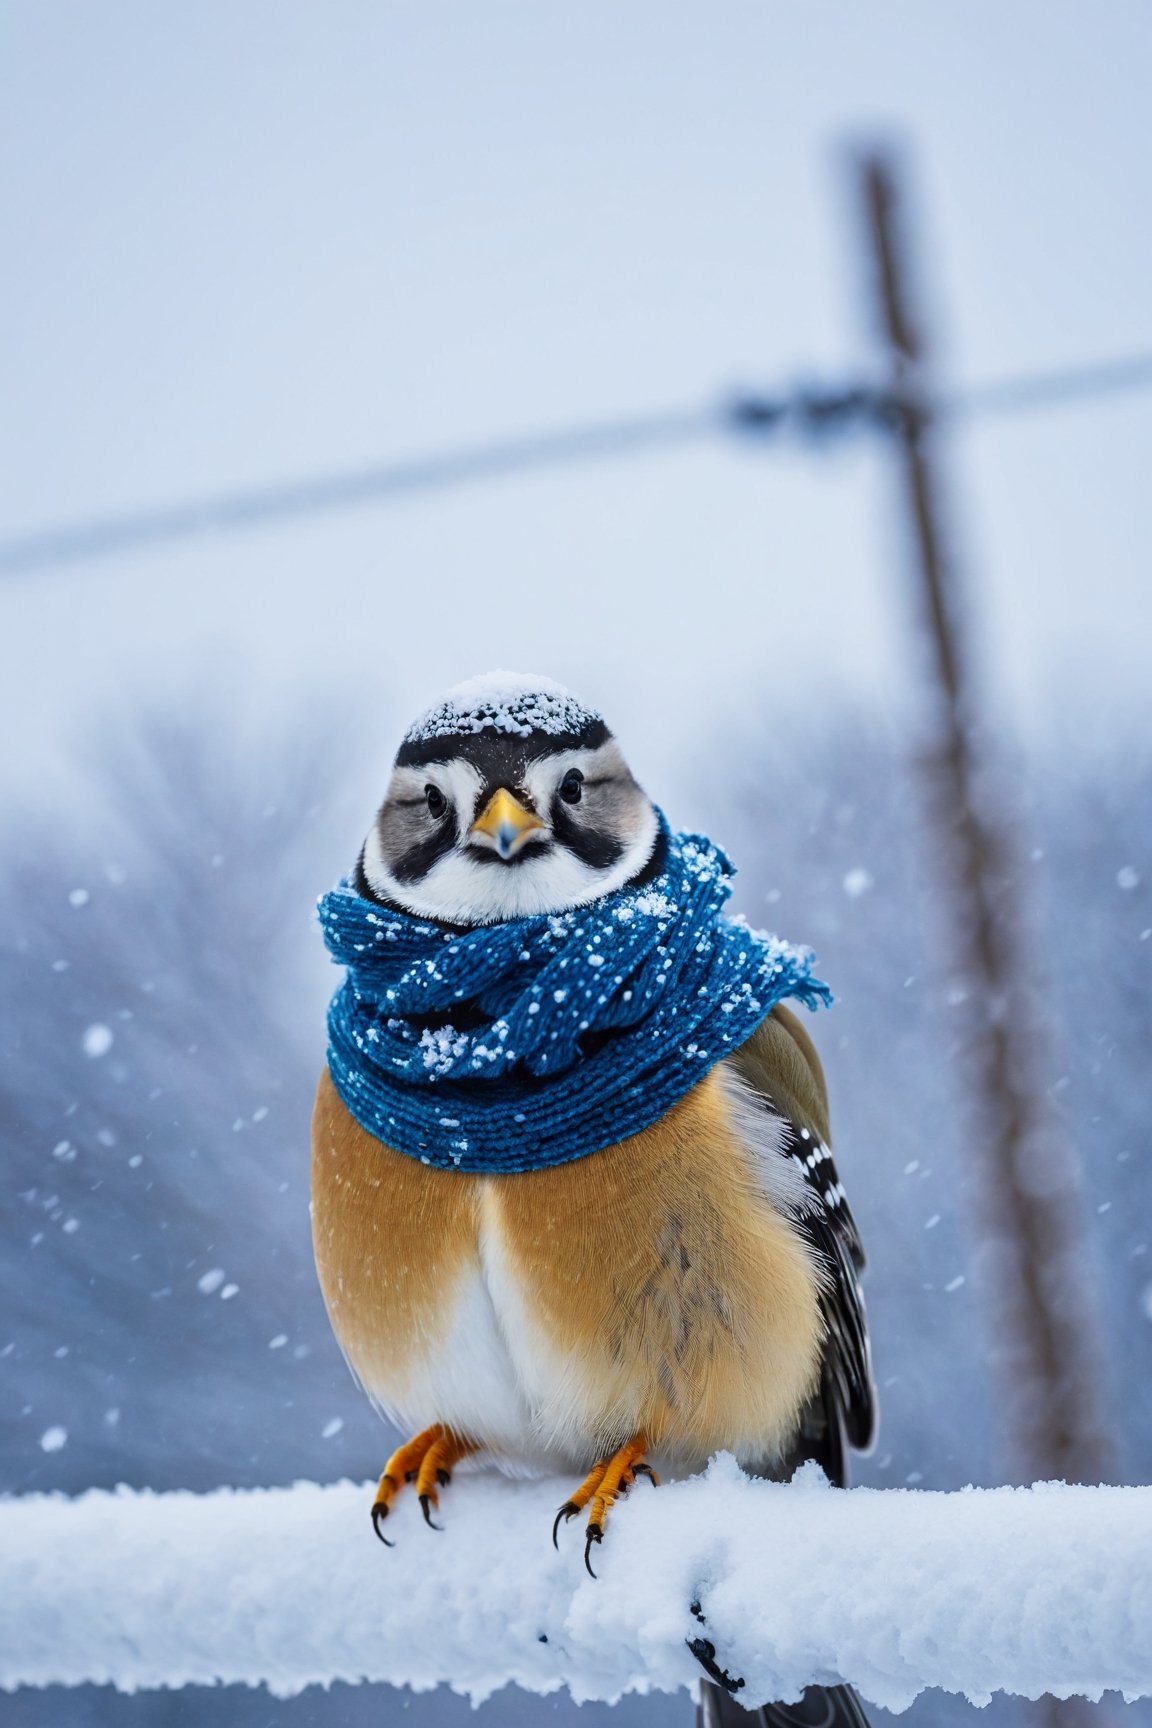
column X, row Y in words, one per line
column 820, row 1707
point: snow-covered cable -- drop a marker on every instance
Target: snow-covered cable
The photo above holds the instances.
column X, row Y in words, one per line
column 1020, row 1590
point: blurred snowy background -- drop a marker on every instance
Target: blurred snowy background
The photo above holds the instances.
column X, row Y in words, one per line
column 254, row 245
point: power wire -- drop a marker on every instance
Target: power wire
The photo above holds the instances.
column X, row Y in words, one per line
column 1056, row 389
column 262, row 507
column 811, row 413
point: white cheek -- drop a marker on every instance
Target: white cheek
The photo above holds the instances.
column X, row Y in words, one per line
column 461, row 890
column 460, row 783
column 375, row 869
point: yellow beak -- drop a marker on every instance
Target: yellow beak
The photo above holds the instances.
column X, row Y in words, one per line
column 504, row 824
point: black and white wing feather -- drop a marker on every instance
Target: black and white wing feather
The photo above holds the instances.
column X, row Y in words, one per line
column 783, row 1087
column 780, row 1065
column 844, row 1412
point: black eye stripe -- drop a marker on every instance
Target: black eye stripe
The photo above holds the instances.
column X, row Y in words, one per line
column 597, row 850
column 416, row 861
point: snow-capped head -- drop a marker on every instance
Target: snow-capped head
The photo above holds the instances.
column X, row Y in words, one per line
column 509, row 797
column 513, row 704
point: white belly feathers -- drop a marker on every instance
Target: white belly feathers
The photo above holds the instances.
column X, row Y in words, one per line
column 492, row 1374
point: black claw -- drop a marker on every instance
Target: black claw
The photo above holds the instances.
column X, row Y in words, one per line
column 426, row 1508
column 411, row 1475
column 566, row 1512
column 595, row 1534
column 443, row 1478
column 645, row 1470
column 379, row 1513
column 705, row 1653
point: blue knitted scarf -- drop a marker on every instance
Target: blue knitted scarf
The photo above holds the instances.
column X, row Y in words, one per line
column 521, row 1045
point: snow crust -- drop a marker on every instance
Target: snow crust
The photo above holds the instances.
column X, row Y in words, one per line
column 519, row 703
column 1014, row 1590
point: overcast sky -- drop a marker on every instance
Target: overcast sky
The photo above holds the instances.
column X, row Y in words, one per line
column 249, row 243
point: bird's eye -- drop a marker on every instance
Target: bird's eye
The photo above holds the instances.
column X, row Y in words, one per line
column 572, row 786
column 437, row 803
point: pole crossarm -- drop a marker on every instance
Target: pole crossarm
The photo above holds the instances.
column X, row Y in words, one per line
column 1026, row 1591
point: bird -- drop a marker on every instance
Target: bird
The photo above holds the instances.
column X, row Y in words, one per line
column 497, row 1288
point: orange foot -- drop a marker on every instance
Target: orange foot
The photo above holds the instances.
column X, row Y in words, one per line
column 427, row 1460
column 604, row 1482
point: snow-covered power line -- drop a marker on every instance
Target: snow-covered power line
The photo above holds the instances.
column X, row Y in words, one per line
column 813, row 413
column 1017, row 1590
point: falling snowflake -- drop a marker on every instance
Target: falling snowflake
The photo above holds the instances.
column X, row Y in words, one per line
column 97, row 1040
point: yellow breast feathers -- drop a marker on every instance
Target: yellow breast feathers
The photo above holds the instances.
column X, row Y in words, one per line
column 655, row 1288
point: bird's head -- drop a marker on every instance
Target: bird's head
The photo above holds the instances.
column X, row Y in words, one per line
column 509, row 798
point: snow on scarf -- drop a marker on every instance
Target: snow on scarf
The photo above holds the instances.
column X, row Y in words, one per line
column 521, row 1045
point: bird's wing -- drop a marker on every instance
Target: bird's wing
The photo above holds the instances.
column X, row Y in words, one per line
column 780, row 1063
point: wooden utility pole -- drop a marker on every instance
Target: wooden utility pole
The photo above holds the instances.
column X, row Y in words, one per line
column 1024, row 1171
column 1025, row 1176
